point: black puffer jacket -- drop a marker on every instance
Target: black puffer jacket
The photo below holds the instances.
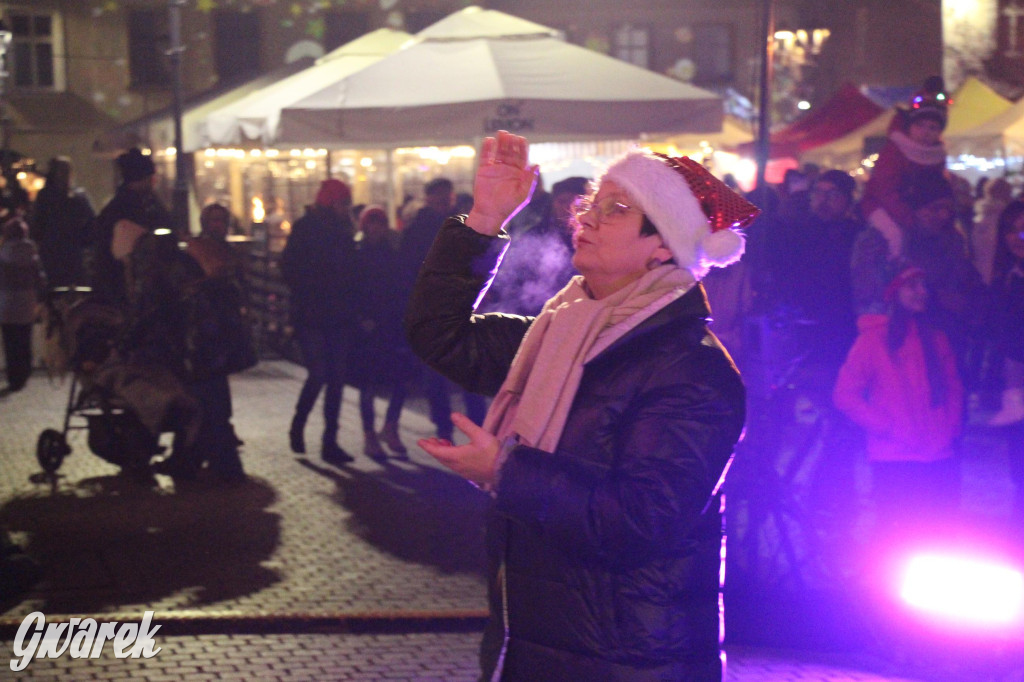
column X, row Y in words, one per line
column 611, row 544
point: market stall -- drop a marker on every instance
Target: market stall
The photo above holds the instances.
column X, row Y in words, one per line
column 996, row 146
column 973, row 103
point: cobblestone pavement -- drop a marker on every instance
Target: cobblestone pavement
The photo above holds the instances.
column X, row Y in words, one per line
column 418, row 657
column 307, row 571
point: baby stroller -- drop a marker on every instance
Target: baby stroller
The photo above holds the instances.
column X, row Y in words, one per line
column 80, row 336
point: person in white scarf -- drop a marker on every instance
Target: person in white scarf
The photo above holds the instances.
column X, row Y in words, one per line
column 615, row 416
column 624, row 280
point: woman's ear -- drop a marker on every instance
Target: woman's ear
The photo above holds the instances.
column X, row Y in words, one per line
column 662, row 253
column 659, row 257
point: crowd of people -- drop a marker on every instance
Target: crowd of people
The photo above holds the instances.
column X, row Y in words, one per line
column 615, row 410
column 905, row 301
column 820, row 258
column 175, row 315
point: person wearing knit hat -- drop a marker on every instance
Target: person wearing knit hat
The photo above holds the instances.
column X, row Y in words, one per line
column 381, row 361
column 134, row 211
column 317, row 263
column 615, row 415
column 913, row 147
column 930, row 103
column 333, row 192
column 135, row 166
column 901, row 385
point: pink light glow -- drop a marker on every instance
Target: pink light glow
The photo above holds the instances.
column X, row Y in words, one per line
column 964, row 590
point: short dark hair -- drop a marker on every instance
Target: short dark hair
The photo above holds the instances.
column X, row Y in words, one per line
column 577, row 185
column 842, row 181
column 439, row 186
column 647, row 228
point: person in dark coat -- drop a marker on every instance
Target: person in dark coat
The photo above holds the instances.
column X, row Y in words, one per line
column 135, row 203
column 381, row 357
column 815, row 279
column 22, row 282
column 218, row 344
column 318, row 266
column 615, row 418
column 61, row 219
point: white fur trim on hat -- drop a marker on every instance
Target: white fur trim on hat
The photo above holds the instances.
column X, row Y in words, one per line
column 665, row 197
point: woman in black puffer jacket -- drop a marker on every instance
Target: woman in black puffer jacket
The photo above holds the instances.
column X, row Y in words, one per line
column 615, row 417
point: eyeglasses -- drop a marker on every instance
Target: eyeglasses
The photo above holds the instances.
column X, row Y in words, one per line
column 605, row 209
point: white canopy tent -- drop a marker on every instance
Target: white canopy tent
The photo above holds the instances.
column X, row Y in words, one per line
column 254, row 118
column 478, row 71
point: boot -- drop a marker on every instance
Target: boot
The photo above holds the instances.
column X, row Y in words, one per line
column 372, row 447
column 389, row 434
column 332, row 453
column 295, row 438
column 1012, row 410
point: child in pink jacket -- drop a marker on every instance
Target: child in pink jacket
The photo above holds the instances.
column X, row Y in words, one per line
column 901, row 385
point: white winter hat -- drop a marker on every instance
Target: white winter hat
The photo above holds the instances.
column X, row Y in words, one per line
column 696, row 214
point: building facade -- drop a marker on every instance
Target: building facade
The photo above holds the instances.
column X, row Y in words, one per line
column 80, row 67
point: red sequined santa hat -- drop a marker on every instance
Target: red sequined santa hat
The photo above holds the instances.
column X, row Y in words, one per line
column 696, row 214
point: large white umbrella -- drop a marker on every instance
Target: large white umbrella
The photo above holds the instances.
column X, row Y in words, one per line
column 254, row 118
column 479, row 71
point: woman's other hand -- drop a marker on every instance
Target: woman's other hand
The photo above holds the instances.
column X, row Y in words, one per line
column 504, row 182
column 474, row 461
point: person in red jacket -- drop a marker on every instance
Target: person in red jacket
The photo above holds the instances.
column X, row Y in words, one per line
column 901, row 385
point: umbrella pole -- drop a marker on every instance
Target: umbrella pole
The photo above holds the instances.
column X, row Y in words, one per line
column 180, row 191
column 764, row 113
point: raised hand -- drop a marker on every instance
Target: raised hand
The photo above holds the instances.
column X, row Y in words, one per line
column 504, row 182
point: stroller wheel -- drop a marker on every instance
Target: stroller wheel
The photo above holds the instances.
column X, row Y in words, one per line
column 51, row 450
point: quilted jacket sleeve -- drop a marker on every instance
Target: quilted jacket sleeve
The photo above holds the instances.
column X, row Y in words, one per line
column 474, row 351
column 673, row 447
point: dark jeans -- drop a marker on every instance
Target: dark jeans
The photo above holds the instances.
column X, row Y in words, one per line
column 324, row 352
column 17, row 353
column 399, row 391
column 216, row 442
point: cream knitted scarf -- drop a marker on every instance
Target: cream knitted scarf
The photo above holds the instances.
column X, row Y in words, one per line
column 533, row 403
